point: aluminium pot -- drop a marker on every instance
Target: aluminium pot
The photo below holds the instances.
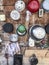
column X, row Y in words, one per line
column 37, row 32
column 20, row 5
column 15, row 15
column 45, row 5
column 13, row 37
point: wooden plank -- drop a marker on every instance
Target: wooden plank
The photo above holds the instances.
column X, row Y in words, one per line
column 39, row 53
column 9, row 2
column 41, row 61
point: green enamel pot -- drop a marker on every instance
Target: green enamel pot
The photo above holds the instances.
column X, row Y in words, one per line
column 21, row 30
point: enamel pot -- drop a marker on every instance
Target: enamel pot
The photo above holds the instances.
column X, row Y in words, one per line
column 33, row 6
column 21, row 30
column 8, row 27
column 45, row 5
column 20, row 5
column 15, row 15
column 13, row 37
column 37, row 32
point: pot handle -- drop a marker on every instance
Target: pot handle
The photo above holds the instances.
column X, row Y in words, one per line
column 28, row 13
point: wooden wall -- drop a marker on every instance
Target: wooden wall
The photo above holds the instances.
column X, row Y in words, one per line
column 9, row 6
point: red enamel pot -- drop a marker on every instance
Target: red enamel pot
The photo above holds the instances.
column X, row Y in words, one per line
column 33, row 6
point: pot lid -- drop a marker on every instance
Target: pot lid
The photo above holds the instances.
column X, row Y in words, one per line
column 46, row 5
column 21, row 30
column 20, row 6
column 8, row 27
column 15, row 15
column 13, row 37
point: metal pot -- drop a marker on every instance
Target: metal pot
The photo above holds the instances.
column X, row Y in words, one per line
column 45, row 5
column 15, row 15
column 37, row 32
column 33, row 6
column 20, row 6
column 8, row 27
column 13, row 37
column 33, row 60
column 21, row 30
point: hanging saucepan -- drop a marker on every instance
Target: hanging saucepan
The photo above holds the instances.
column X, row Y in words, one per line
column 21, row 30
column 37, row 32
column 45, row 5
column 15, row 15
column 13, row 37
column 33, row 6
column 8, row 27
column 20, row 5
column 47, row 28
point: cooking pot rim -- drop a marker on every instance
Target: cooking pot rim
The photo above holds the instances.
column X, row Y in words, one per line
column 32, row 35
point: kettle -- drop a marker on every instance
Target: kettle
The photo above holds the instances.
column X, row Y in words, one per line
column 33, row 6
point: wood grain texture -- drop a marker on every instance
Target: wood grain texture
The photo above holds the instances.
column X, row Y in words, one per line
column 9, row 6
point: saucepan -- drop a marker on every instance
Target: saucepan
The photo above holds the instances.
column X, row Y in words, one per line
column 45, row 5
column 37, row 32
column 21, row 30
column 33, row 6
